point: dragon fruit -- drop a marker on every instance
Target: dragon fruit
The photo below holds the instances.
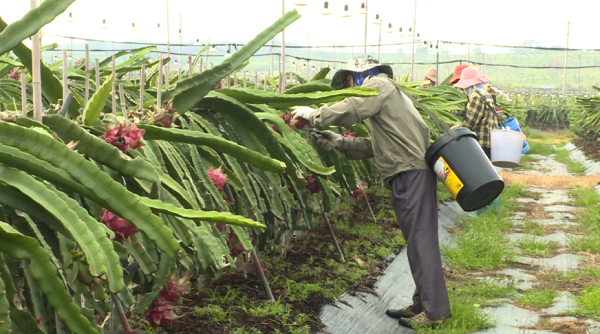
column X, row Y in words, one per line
column 175, row 288
column 359, row 191
column 299, row 123
column 312, row 185
column 14, row 74
column 233, row 250
column 218, row 177
column 219, row 85
column 122, row 228
column 348, row 134
column 161, row 314
column 124, row 138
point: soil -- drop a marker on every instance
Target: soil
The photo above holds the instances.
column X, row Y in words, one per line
column 589, row 147
column 310, row 248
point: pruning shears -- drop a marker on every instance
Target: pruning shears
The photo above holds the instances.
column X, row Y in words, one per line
column 316, row 133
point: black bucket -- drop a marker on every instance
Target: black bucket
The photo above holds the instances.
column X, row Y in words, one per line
column 460, row 163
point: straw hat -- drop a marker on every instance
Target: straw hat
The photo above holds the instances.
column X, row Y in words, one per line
column 358, row 65
column 431, row 74
column 470, row 76
column 457, row 71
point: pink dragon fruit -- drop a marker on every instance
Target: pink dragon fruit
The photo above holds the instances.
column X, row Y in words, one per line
column 312, row 185
column 14, row 74
column 124, row 138
column 161, row 314
column 122, row 228
column 299, row 123
column 233, row 250
column 348, row 134
column 175, row 288
column 218, row 177
column 359, row 191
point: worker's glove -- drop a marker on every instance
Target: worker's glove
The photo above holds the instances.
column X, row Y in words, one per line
column 302, row 112
column 330, row 140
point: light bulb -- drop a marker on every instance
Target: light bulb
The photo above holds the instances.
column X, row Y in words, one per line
column 213, row 49
column 198, row 42
column 133, row 28
column 377, row 20
column 104, row 25
column 363, row 8
column 326, row 10
column 70, row 18
column 400, row 33
column 180, row 34
column 389, row 29
column 158, row 28
column 301, row 3
column 346, row 12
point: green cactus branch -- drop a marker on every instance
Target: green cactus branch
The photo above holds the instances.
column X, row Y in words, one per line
column 112, row 194
column 218, row 143
column 22, row 247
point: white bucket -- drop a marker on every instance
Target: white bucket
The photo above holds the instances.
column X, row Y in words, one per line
column 506, row 148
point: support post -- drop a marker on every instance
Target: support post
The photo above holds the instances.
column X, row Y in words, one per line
column 65, row 80
column 190, row 66
column 414, row 33
column 87, row 74
column 97, row 68
column 24, row 93
column 142, row 80
column 160, row 80
column 114, row 90
column 566, row 61
column 337, row 246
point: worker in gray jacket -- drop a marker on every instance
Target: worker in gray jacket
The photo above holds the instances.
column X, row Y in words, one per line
column 399, row 139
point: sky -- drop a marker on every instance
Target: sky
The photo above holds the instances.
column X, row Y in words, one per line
column 506, row 22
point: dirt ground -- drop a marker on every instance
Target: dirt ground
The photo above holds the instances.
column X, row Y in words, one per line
column 304, row 251
column 589, row 147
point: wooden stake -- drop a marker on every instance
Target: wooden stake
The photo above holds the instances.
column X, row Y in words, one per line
column 245, row 78
column 190, row 66
column 179, row 79
column 265, row 87
column 97, row 74
column 200, row 67
column 65, row 77
column 142, row 74
column 168, row 75
column 228, row 81
column 255, row 79
column 335, row 243
column 160, row 79
column 122, row 100
column 87, row 74
column 234, row 79
column 38, row 108
column 114, row 90
column 24, row 93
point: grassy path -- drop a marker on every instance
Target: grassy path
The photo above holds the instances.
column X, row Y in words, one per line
column 532, row 266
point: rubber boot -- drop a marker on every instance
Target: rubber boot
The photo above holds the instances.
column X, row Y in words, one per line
column 494, row 205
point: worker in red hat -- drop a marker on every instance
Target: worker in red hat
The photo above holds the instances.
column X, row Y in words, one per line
column 457, row 72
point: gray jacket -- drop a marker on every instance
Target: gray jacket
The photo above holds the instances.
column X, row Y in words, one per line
column 399, row 136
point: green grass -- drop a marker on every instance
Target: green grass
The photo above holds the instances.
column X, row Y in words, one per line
column 532, row 227
column 443, row 192
column 467, row 317
column 213, row 312
column 537, row 298
column 588, row 302
column 589, row 221
column 534, row 247
column 482, row 242
column 536, row 147
column 573, row 166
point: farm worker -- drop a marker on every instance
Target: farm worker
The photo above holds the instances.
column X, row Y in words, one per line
column 399, row 139
column 431, row 76
column 457, row 72
column 480, row 114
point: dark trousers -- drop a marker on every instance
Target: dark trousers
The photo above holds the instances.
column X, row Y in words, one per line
column 414, row 197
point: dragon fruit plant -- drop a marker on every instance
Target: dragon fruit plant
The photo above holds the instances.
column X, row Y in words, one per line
column 122, row 228
column 161, row 313
column 233, row 250
column 312, row 185
column 163, row 118
column 348, row 134
column 124, row 138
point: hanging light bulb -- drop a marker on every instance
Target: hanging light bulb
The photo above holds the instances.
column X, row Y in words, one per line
column 313, row 69
column 213, row 49
column 400, row 33
column 410, row 32
column 104, row 25
column 346, row 12
column 326, row 10
column 301, row 3
column 198, row 42
column 304, row 66
column 389, row 29
column 430, row 50
column 418, row 38
column 70, row 18
column 158, row 28
column 133, row 28
column 69, row 57
column 377, row 20
column 180, row 34
column 228, row 54
column 363, row 8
